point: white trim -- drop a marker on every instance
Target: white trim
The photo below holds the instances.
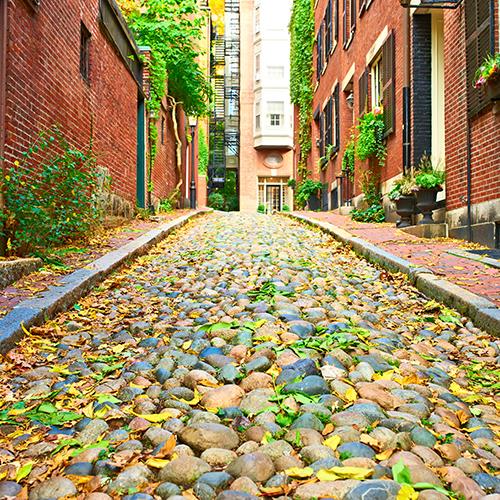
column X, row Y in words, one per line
column 377, row 46
column 348, row 77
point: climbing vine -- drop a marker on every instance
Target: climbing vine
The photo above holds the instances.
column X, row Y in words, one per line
column 370, row 141
column 301, row 73
column 202, row 152
column 172, row 29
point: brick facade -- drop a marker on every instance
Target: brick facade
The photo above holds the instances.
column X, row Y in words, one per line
column 357, row 45
column 44, row 86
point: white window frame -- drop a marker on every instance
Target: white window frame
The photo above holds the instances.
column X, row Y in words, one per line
column 376, row 70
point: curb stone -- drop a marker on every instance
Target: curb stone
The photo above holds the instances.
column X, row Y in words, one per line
column 484, row 314
column 71, row 288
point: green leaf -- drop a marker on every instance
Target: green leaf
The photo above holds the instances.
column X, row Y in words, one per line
column 401, row 473
column 24, row 471
column 47, row 408
column 218, row 326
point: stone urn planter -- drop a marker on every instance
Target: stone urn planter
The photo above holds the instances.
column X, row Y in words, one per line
column 492, row 89
column 426, row 203
column 405, row 208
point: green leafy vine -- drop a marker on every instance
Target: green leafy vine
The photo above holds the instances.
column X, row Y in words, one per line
column 301, row 73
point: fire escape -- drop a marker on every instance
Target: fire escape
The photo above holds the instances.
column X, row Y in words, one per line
column 217, row 163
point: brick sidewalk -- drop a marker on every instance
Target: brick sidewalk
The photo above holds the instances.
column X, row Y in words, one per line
column 474, row 276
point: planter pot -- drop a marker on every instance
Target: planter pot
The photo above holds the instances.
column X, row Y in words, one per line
column 314, row 203
column 405, row 208
column 492, row 89
column 426, row 203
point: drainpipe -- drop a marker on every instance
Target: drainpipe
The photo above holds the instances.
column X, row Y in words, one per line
column 469, row 181
column 406, row 91
column 3, row 86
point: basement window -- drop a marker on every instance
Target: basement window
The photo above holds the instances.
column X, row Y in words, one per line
column 85, row 52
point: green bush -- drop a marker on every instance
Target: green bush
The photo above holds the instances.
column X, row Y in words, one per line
column 216, row 201
column 370, row 141
column 261, row 208
column 285, row 208
column 305, row 189
column 165, row 205
column 374, row 213
column 50, row 195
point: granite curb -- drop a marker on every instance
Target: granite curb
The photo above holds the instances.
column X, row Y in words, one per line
column 484, row 314
column 71, row 288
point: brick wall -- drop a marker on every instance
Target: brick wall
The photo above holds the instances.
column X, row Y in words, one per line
column 369, row 26
column 485, row 128
column 44, row 86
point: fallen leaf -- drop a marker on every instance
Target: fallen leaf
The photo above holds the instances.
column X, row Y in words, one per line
column 385, row 455
column 154, row 417
column 24, row 471
column 299, row 473
column 332, row 442
column 157, row 463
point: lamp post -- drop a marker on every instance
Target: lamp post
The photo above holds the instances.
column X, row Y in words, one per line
column 192, row 188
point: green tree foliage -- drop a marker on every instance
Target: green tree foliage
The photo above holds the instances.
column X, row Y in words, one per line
column 202, row 152
column 301, row 73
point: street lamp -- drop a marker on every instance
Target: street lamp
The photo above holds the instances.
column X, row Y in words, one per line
column 193, row 121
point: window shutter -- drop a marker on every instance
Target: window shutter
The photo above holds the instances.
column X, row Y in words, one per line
column 336, row 19
column 345, row 38
column 478, row 46
column 329, row 117
column 329, row 28
column 319, row 54
column 352, row 16
column 388, row 82
column 321, row 134
column 336, row 122
column 363, row 92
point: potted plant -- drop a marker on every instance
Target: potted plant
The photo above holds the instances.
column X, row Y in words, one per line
column 428, row 182
column 307, row 193
column 403, row 196
column 487, row 77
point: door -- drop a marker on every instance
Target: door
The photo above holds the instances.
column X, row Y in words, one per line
column 273, row 197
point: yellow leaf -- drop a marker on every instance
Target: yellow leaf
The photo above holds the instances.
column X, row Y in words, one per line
column 472, row 429
column 118, row 348
column 351, row 394
column 274, row 371
column 366, row 439
column 406, row 492
column 208, row 383
column 384, row 455
column 155, row 417
column 193, row 402
column 88, row 411
column 157, row 463
column 299, row 473
column 358, row 473
column 457, row 390
column 384, row 376
column 458, row 268
column 24, row 471
column 332, row 442
column 328, row 428
column 187, row 344
column 267, row 438
column 135, row 386
column 326, row 475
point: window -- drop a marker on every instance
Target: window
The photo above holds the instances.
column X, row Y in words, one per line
column 388, row 84
column 363, row 92
column 84, row 52
column 479, row 29
column 275, row 110
column 376, row 81
column 276, row 72
column 330, row 123
column 352, row 17
column 328, row 29
column 257, row 67
column 348, row 21
column 363, row 5
column 257, row 115
column 257, row 19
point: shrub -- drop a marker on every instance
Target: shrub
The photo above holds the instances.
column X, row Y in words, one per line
column 285, row 208
column 305, row 189
column 216, row 201
column 261, row 208
column 50, row 195
column 370, row 142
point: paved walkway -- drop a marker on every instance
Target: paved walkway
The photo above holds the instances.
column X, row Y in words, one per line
column 250, row 355
column 477, row 277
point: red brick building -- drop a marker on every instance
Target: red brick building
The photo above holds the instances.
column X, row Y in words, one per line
column 75, row 64
column 360, row 62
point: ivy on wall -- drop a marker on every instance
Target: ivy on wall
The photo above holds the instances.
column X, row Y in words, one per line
column 301, row 74
column 172, row 29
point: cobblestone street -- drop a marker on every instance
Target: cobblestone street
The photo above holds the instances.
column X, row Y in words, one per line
column 246, row 356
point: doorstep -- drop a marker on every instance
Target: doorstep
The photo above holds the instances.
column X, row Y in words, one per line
column 427, row 230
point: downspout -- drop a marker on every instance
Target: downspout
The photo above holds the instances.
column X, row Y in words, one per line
column 406, row 91
column 469, row 181
column 3, row 86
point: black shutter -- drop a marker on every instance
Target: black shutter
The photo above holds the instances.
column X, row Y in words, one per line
column 478, row 46
column 319, row 54
column 321, row 134
column 336, row 19
column 352, row 16
column 363, row 92
column 345, row 38
column 336, row 122
column 329, row 111
column 328, row 28
column 388, row 84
